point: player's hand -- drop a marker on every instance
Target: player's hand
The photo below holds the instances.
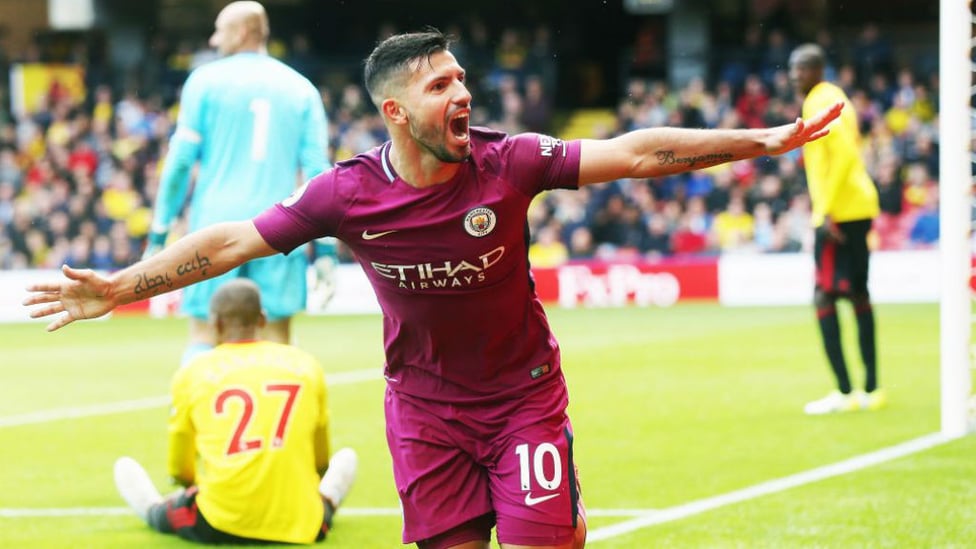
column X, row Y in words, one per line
column 786, row 138
column 831, row 231
column 83, row 293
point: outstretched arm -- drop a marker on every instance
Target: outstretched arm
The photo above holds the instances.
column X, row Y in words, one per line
column 657, row 152
column 198, row 256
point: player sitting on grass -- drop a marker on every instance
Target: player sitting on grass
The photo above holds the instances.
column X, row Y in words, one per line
column 254, row 413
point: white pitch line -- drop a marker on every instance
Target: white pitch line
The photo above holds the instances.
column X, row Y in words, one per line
column 643, row 517
column 769, row 487
column 57, row 414
column 29, row 512
column 75, row 412
column 619, row 512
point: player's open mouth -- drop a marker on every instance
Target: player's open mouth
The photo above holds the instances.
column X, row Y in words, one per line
column 459, row 126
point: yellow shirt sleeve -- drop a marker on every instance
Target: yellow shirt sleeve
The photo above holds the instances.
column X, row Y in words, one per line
column 323, row 445
column 181, row 459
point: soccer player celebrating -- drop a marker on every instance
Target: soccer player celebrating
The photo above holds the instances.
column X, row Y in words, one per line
column 254, row 413
column 255, row 126
column 844, row 202
column 476, row 400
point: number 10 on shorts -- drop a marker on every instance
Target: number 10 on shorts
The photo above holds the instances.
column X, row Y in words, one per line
column 543, row 453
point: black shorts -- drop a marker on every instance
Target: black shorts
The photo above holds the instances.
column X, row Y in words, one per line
column 178, row 514
column 842, row 268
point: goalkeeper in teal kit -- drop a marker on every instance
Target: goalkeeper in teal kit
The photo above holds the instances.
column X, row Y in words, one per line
column 247, row 121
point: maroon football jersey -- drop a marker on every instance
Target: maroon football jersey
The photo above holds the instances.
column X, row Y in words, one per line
column 448, row 263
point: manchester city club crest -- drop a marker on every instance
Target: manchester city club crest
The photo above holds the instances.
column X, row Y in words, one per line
column 479, row 221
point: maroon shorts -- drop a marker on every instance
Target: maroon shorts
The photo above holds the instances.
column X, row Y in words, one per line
column 508, row 464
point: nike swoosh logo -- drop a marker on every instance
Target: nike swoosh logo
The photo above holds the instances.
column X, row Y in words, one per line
column 530, row 501
column 370, row 236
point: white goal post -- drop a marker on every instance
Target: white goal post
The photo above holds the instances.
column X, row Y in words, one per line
column 955, row 181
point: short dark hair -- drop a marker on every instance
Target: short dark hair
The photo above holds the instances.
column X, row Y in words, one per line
column 237, row 302
column 395, row 54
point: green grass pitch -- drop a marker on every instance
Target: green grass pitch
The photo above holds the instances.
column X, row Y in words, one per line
column 669, row 406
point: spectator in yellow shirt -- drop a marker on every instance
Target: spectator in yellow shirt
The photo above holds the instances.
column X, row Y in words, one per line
column 548, row 250
column 733, row 227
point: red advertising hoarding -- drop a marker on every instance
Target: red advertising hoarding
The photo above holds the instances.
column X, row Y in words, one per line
column 600, row 284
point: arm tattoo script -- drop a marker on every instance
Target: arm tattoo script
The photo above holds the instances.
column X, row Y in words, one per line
column 152, row 284
column 668, row 158
column 196, row 263
column 157, row 284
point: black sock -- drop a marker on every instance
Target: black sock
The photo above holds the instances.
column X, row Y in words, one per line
column 865, row 336
column 326, row 519
column 830, row 330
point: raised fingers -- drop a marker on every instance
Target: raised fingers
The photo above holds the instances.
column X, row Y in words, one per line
column 799, row 126
column 827, row 115
column 44, row 287
column 75, row 274
column 52, row 309
column 60, row 322
column 42, row 297
column 819, row 134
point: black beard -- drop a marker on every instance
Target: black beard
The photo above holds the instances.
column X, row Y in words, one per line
column 439, row 150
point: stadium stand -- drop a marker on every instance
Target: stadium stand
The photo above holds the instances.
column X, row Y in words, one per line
column 77, row 175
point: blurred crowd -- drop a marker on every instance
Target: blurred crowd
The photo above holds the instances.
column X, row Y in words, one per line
column 78, row 176
column 760, row 205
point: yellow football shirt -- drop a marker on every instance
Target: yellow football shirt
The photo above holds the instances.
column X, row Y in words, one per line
column 838, row 181
column 249, row 427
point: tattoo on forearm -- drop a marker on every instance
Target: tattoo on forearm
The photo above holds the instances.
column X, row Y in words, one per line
column 152, row 284
column 161, row 283
column 668, row 158
column 196, row 263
